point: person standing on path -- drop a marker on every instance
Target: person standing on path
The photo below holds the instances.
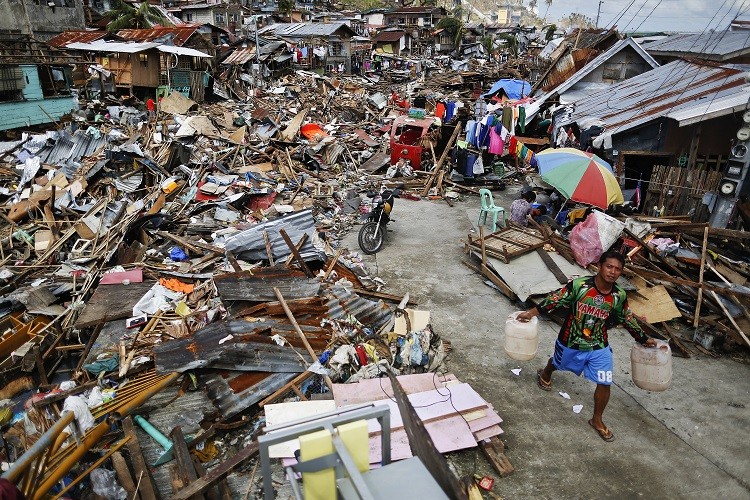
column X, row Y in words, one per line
column 582, row 345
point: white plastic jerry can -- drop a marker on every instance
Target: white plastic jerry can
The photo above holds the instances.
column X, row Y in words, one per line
column 651, row 367
column 521, row 338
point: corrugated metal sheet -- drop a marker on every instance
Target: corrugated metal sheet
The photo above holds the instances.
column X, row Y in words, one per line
column 566, row 67
column 179, row 34
column 258, row 286
column 306, row 29
column 76, row 36
column 718, row 45
column 677, row 90
column 102, row 46
column 251, row 246
column 601, row 59
column 246, row 54
column 343, row 302
column 233, row 392
column 182, row 51
column 71, row 147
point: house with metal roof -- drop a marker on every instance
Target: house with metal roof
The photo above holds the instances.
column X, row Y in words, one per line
column 322, row 46
column 683, row 113
column 721, row 46
column 146, row 69
column 393, row 42
column 625, row 59
column 180, row 36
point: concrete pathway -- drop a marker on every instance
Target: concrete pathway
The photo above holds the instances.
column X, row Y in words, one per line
column 687, row 442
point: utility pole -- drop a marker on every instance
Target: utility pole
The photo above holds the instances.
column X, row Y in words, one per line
column 598, row 12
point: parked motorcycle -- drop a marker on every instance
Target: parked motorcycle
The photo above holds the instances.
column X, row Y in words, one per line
column 372, row 232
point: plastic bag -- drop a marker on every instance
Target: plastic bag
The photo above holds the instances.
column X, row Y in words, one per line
column 103, row 483
column 592, row 237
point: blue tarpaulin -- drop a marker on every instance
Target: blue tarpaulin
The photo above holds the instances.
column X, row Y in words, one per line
column 514, row 89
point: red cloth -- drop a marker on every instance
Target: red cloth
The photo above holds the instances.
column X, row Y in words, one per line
column 512, row 146
column 150, row 104
column 440, row 110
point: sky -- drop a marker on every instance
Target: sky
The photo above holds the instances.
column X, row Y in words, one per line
column 652, row 15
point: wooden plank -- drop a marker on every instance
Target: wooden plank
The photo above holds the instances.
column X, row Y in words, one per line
column 730, row 318
column 111, row 302
column 145, row 482
column 700, row 278
column 494, row 450
column 217, row 473
column 296, row 254
column 422, row 445
column 552, row 266
column 653, row 252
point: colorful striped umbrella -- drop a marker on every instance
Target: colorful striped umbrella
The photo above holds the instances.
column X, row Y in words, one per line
column 580, row 176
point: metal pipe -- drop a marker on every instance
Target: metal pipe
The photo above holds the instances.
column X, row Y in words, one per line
column 58, row 472
column 93, row 466
column 146, row 395
column 152, row 431
column 22, row 464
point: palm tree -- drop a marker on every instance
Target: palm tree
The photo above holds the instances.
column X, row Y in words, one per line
column 124, row 16
column 286, row 7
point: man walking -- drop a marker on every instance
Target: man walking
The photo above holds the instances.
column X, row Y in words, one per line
column 582, row 345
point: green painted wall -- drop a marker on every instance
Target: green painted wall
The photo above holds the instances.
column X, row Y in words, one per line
column 28, row 112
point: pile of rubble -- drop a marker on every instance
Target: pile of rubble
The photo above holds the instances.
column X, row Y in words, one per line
column 194, row 245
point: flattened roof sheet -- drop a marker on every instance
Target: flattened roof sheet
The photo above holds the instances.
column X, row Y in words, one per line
column 74, row 36
column 601, row 59
column 718, row 46
column 180, row 33
column 124, row 47
column 681, row 90
column 306, row 29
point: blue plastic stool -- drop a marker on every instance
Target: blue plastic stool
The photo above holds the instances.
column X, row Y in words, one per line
column 489, row 207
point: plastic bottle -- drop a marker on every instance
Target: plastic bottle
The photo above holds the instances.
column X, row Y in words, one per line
column 651, row 367
column 521, row 338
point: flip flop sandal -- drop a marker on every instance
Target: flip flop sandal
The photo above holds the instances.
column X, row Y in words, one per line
column 545, row 386
column 605, row 433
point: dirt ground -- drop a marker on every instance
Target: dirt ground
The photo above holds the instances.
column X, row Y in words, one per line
column 687, row 442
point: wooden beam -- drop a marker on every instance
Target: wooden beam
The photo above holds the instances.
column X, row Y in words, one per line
column 296, row 254
column 145, row 483
column 217, row 473
column 700, row 278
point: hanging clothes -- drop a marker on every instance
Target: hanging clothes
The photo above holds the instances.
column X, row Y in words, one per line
column 471, row 158
column 440, row 110
column 513, row 145
column 450, row 110
column 508, row 117
column 496, row 142
column 470, row 130
column 522, row 118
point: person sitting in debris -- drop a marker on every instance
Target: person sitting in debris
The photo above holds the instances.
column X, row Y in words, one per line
column 582, row 345
column 521, row 208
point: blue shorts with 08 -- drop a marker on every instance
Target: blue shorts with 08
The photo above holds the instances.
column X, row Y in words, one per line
column 596, row 365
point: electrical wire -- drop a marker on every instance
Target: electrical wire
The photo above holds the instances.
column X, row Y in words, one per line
column 638, row 12
column 617, row 18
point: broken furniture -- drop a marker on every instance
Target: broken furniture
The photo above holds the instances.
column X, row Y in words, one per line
column 334, row 457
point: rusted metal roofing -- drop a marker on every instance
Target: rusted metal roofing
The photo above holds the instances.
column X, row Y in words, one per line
column 244, row 55
column 685, row 91
column 179, row 34
column 389, row 36
column 74, row 36
column 716, row 46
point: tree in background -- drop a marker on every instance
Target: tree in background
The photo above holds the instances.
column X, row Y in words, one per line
column 124, row 16
column 549, row 32
column 576, row 20
column 454, row 26
column 286, row 7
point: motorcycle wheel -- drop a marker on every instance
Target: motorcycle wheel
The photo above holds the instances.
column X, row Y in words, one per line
column 370, row 242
